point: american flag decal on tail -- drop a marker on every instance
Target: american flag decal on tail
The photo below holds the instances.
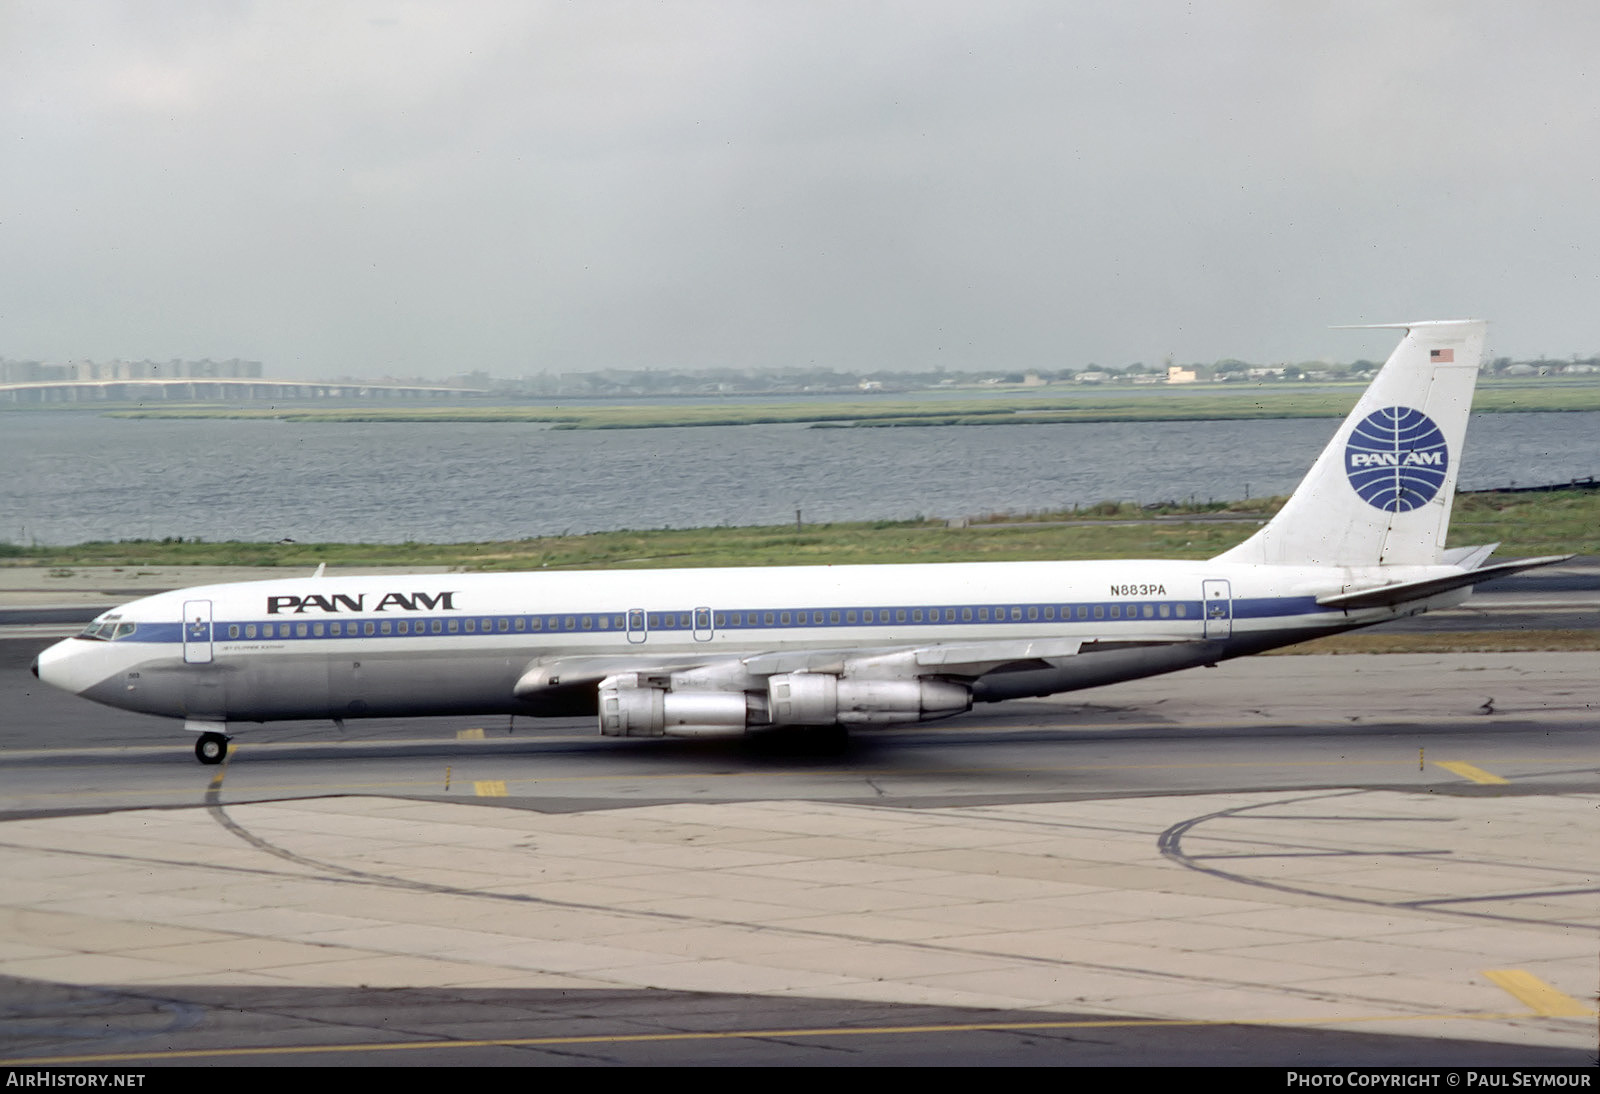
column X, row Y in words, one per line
column 1442, row 356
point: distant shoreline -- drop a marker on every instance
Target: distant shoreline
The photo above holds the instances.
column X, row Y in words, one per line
column 1212, row 404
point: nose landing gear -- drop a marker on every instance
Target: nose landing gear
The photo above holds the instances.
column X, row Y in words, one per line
column 211, row 748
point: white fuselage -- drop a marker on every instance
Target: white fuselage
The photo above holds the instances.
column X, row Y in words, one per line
column 458, row 643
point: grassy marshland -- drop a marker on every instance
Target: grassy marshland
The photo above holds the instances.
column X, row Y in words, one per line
column 1559, row 522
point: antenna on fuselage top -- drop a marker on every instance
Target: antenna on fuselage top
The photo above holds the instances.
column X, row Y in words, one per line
column 321, row 566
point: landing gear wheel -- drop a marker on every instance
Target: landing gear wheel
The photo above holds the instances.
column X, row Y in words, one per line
column 211, row 748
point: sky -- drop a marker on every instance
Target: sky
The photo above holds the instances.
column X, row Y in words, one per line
column 425, row 189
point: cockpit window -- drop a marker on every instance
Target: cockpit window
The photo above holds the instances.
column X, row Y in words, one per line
column 107, row 630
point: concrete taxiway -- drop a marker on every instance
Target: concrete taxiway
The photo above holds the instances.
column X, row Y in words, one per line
column 1291, row 860
column 1294, row 860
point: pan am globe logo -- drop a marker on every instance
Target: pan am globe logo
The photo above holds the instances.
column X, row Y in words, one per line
column 1396, row 459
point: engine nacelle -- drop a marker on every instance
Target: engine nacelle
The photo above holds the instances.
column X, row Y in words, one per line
column 820, row 699
column 630, row 708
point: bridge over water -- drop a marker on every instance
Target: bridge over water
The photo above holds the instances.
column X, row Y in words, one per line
column 190, row 389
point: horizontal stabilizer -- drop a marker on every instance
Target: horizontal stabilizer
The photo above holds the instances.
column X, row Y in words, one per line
column 1399, row 593
column 1468, row 558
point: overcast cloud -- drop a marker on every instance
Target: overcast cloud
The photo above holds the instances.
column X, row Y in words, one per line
column 429, row 188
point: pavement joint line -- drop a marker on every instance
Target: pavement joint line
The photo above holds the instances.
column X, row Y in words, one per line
column 216, row 808
column 1474, row 774
column 348, row 875
column 1536, row 995
column 590, row 737
column 1446, row 904
column 729, row 1035
column 347, row 787
column 1539, row 1012
column 1462, row 769
column 1171, row 846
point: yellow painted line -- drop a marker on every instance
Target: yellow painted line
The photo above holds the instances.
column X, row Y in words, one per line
column 1537, row 996
column 1476, row 774
column 843, row 770
column 469, row 734
column 739, row 1034
column 489, row 788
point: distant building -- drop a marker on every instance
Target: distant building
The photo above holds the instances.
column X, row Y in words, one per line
column 1177, row 374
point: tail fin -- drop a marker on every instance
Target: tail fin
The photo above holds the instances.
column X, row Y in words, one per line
column 1380, row 493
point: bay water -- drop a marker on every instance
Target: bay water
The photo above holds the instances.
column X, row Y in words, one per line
column 73, row 476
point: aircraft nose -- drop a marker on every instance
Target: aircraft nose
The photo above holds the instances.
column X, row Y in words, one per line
column 58, row 667
column 34, row 668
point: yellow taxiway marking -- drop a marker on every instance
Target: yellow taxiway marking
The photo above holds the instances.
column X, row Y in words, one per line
column 1476, row 774
column 843, row 771
column 469, row 734
column 737, row 1034
column 1538, row 996
column 489, row 788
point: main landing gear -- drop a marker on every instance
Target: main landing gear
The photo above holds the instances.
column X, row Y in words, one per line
column 211, row 748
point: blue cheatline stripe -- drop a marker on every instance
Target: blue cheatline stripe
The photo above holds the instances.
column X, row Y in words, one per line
column 741, row 621
column 1271, row 607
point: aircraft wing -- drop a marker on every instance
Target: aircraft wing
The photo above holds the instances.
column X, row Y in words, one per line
column 544, row 677
column 563, row 672
column 937, row 659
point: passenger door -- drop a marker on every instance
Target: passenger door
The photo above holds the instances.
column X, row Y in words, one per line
column 197, row 632
column 1217, row 603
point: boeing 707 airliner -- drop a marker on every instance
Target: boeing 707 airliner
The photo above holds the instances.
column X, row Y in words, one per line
column 735, row 651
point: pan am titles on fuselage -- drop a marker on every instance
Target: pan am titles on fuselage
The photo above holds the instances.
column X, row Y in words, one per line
column 736, row 651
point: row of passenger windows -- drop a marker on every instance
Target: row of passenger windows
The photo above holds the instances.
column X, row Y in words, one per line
column 702, row 619
column 999, row 613
column 387, row 626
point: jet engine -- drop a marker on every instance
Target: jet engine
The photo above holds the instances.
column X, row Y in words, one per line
column 821, row 699
column 634, row 707
column 638, row 705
